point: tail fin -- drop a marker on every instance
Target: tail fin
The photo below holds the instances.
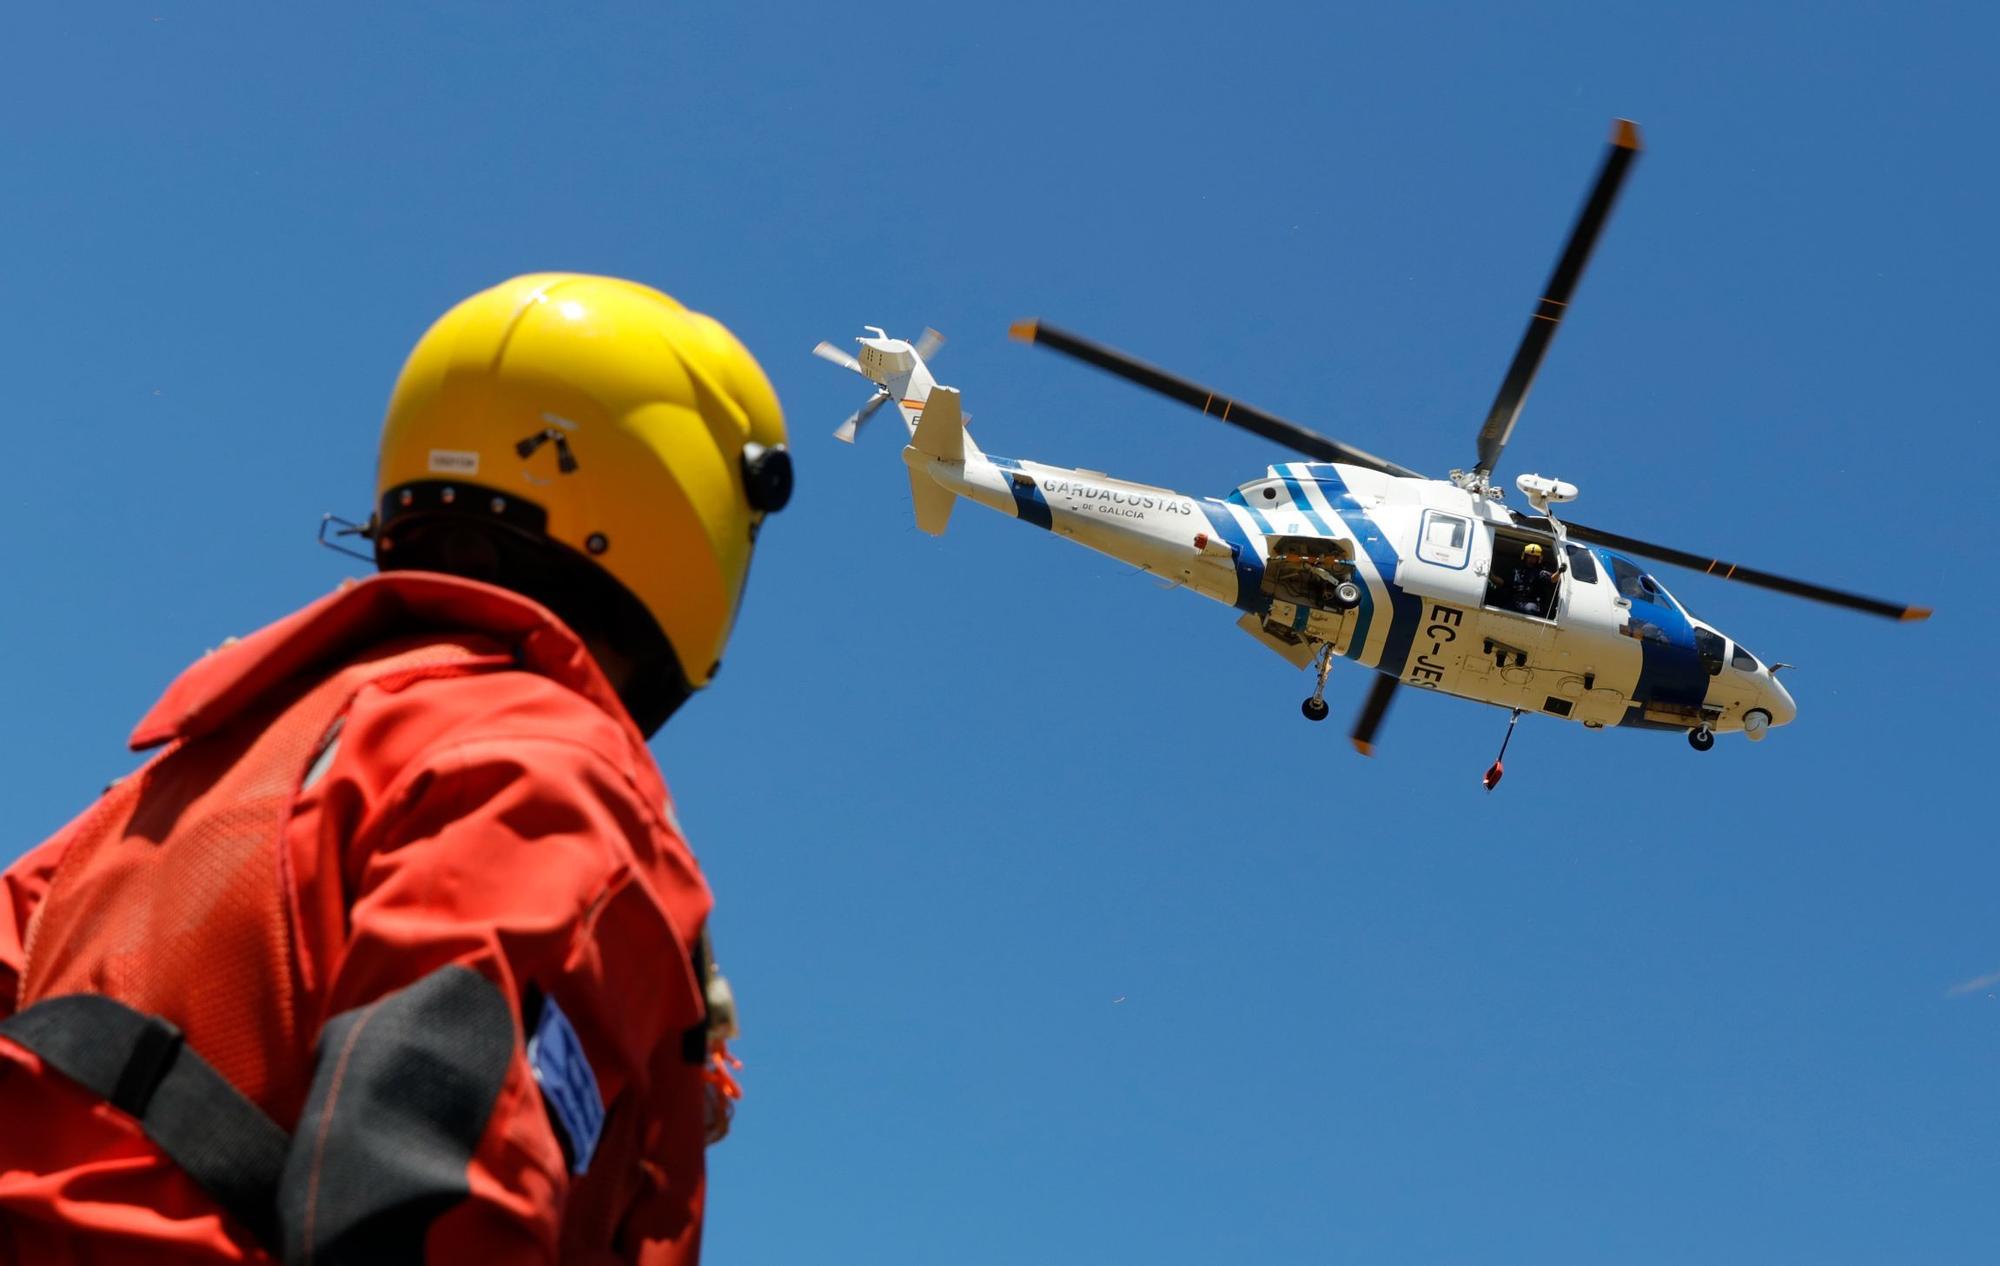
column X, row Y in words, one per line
column 940, row 428
column 939, row 433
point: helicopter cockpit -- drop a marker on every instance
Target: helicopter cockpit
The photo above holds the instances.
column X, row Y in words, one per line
column 1746, row 685
column 1654, row 611
column 1718, row 653
column 1635, row 584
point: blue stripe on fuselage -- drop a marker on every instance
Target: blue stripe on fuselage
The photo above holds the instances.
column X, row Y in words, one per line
column 1250, row 594
column 1670, row 669
column 1256, row 516
column 1305, row 506
column 1030, row 506
column 1406, row 610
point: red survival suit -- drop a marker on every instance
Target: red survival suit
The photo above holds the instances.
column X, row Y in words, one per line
column 390, row 954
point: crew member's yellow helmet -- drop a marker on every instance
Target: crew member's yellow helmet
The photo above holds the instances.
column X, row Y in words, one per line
column 560, row 428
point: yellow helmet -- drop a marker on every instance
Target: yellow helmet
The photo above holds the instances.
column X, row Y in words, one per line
column 1531, row 551
column 561, row 429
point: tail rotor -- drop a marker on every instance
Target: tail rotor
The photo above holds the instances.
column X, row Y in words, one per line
column 925, row 347
column 828, row 352
column 847, row 430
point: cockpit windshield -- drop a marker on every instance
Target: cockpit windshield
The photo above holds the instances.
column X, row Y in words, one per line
column 1744, row 660
column 1711, row 647
column 1635, row 584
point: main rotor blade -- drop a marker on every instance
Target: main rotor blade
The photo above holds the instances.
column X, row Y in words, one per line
column 1745, row 575
column 1556, row 295
column 827, row 351
column 1365, row 725
column 1234, row 412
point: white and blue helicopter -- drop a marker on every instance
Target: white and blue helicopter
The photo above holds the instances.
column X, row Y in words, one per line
column 1433, row 583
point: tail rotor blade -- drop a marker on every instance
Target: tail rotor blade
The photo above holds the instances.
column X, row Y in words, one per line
column 1365, row 725
column 847, row 430
column 928, row 343
column 828, row 352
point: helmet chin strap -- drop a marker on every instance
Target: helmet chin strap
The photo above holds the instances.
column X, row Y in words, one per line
column 649, row 703
column 618, row 669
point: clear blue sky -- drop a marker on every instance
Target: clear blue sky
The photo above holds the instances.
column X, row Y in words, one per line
column 960, row 797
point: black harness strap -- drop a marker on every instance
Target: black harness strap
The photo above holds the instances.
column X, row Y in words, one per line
column 140, row 1065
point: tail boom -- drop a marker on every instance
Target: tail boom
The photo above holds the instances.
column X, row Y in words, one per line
column 1154, row 529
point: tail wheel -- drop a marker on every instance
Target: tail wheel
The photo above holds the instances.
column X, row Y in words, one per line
column 1347, row 594
column 1314, row 709
column 1701, row 739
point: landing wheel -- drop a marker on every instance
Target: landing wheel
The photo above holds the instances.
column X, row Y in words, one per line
column 1701, row 739
column 1347, row 594
column 1315, row 709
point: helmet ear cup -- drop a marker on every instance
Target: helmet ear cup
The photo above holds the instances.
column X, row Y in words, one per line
column 767, row 476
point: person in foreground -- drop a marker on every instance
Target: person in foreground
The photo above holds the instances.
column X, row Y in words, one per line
column 393, row 951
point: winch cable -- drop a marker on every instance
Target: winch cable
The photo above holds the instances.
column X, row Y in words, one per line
column 1493, row 775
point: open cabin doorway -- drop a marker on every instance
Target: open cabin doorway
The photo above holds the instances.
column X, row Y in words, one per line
column 1518, row 586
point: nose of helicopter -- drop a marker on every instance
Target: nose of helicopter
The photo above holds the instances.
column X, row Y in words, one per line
column 1769, row 707
column 1778, row 701
column 1765, row 702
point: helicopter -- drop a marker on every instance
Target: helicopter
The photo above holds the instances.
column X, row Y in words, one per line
column 1436, row 584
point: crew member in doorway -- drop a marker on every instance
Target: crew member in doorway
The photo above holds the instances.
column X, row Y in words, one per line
column 1532, row 585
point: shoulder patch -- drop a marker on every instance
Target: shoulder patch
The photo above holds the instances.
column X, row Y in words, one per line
column 569, row 1085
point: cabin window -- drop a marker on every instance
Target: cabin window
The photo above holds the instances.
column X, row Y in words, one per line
column 1710, row 646
column 1445, row 540
column 1744, row 660
column 1582, row 564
